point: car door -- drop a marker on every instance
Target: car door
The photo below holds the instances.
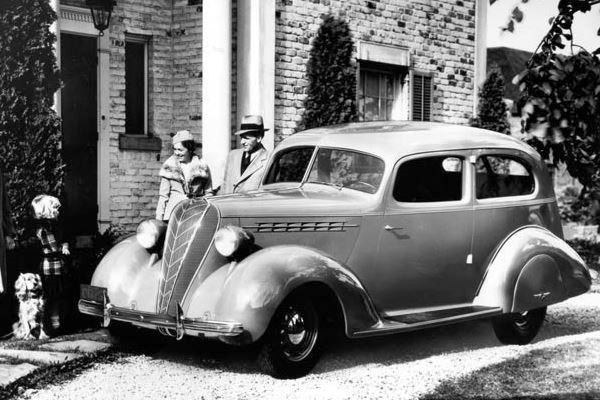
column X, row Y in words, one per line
column 423, row 257
column 504, row 200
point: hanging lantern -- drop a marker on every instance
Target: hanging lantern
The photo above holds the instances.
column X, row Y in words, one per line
column 101, row 11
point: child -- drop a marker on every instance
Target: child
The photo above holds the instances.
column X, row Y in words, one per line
column 45, row 209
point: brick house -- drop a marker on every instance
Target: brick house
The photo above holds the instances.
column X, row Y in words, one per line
column 166, row 65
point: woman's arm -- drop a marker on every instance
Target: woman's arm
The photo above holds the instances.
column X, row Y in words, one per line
column 163, row 197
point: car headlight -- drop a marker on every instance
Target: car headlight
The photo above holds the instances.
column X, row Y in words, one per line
column 150, row 232
column 233, row 239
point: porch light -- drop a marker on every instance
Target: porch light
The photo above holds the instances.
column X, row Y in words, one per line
column 101, row 11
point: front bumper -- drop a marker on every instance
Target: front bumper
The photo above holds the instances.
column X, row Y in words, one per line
column 94, row 301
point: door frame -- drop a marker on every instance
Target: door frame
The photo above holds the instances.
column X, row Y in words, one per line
column 78, row 21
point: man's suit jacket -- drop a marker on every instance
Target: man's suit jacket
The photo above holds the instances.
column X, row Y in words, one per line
column 252, row 176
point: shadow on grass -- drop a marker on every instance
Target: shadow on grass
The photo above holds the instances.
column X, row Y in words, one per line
column 566, row 372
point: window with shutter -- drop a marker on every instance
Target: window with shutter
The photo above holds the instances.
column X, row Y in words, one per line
column 421, row 97
column 380, row 92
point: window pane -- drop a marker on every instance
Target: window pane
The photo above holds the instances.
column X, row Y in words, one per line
column 290, row 166
column 371, row 84
column 135, row 90
column 347, row 169
column 371, row 109
column 501, row 176
column 388, row 86
column 429, row 179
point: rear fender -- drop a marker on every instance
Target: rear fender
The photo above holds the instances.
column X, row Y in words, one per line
column 532, row 268
column 250, row 291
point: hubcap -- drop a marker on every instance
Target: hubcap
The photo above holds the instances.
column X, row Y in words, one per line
column 298, row 332
column 522, row 319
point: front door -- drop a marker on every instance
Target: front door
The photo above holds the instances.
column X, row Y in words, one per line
column 426, row 235
column 79, row 127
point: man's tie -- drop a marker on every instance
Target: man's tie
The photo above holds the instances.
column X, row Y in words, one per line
column 245, row 162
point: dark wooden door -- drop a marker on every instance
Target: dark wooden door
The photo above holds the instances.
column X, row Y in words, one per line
column 79, row 125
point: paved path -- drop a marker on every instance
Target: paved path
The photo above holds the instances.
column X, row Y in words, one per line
column 20, row 359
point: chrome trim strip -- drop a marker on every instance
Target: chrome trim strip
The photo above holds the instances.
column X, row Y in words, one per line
column 510, row 201
column 389, row 326
column 192, row 325
column 420, row 310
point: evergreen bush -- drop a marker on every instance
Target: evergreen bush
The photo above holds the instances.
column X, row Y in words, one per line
column 492, row 111
column 331, row 97
column 30, row 137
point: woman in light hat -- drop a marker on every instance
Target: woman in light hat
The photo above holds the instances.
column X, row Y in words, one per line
column 183, row 175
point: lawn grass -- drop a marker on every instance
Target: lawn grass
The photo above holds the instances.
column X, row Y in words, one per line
column 570, row 371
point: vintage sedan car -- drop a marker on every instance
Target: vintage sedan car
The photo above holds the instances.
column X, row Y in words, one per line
column 363, row 229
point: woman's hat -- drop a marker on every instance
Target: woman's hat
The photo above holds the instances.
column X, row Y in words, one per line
column 182, row 136
column 252, row 124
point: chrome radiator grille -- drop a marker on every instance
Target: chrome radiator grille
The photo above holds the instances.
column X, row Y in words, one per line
column 189, row 235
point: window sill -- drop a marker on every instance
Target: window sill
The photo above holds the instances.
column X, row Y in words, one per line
column 139, row 142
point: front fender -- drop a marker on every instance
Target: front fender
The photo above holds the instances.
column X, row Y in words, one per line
column 250, row 291
column 131, row 276
column 532, row 268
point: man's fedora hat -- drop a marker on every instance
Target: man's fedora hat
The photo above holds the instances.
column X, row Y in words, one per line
column 252, row 124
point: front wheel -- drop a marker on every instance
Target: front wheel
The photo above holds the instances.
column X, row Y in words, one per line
column 519, row 328
column 291, row 345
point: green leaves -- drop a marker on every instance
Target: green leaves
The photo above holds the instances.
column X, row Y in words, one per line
column 492, row 111
column 29, row 129
column 562, row 97
column 332, row 76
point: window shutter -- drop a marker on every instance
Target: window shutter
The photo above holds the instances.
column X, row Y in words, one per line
column 421, row 96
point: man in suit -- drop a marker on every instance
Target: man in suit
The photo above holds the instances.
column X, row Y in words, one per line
column 245, row 166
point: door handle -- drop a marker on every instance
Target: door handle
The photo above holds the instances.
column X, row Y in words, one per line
column 392, row 228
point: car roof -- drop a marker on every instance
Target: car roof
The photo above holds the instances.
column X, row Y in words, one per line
column 395, row 139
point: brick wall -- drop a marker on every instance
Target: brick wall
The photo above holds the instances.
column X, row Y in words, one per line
column 174, row 101
column 134, row 174
column 440, row 36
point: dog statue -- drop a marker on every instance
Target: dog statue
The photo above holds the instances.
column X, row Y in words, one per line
column 28, row 289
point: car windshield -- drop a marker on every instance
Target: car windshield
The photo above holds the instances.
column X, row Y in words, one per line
column 347, row 169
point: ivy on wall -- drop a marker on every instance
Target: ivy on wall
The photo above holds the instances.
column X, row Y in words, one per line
column 331, row 97
column 30, row 136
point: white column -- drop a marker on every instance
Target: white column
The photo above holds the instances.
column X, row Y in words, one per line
column 481, row 8
column 104, row 131
column 216, row 84
column 256, row 63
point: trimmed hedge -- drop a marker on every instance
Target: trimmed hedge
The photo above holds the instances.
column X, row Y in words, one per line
column 30, row 136
column 492, row 111
column 331, row 97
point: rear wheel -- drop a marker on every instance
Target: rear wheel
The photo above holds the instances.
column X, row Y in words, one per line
column 519, row 328
column 292, row 343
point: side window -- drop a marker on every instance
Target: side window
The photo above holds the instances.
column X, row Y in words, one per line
column 502, row 176
column 290, row 165
column 430, row 179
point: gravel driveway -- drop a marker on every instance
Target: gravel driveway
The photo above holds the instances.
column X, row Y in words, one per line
column 402, row 366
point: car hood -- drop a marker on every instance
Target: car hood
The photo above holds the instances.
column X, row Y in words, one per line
column 310, row 199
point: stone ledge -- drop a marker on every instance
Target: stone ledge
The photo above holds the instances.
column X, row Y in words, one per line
column 139, row 142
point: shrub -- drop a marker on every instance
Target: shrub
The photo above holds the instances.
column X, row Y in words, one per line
column 331, row 97
column 29, row 127
column 492, row 111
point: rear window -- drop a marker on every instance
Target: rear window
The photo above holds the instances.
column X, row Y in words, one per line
column 502, row 176
column 430, row 179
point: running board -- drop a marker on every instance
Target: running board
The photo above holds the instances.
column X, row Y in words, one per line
column 430, row 319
